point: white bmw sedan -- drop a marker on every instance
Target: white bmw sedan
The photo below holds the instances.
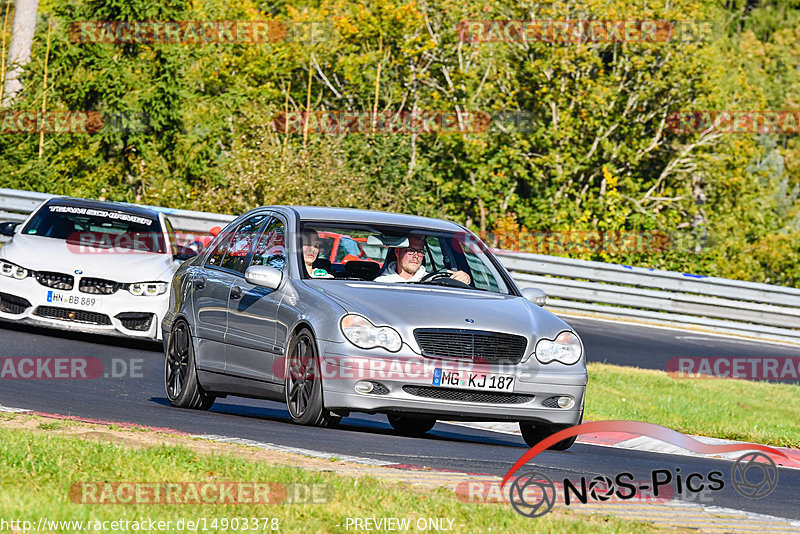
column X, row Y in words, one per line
column 90, row 266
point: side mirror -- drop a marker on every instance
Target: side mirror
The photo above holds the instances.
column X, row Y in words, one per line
column 8, row 228
column 184, row 253
column 264, row 276
column 535, row 295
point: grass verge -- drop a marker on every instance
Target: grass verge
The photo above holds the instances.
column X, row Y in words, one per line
column 39, row 468
column 759, row 412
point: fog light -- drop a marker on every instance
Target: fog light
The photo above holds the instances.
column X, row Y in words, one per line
column 362, row 386
column 566, row 402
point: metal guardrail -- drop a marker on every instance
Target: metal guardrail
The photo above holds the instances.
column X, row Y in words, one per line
column 731, row 306
column 748, row 308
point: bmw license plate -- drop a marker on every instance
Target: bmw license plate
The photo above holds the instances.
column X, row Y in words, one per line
column 79, row 301
column 472, row 380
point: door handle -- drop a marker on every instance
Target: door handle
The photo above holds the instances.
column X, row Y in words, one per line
column 236, row 292
column 200, row 282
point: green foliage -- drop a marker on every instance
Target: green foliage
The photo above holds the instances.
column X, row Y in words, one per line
column 194, row 122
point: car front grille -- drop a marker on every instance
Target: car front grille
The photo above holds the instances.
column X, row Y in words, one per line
column 55, row 280
column 482, row 397
column 476, row 345
column 75, row 316
column 12, row 304
column 136, row 321
column 98, row 286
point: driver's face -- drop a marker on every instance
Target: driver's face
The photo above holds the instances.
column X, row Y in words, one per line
column 409, row 259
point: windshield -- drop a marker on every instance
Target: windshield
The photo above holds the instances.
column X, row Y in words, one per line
column 97, row 228
column 331, row 250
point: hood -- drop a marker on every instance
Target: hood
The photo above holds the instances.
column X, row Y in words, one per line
column 48, row 254
column 409, row 306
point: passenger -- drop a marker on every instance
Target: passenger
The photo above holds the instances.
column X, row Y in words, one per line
column 409, row 268
column 311, row 243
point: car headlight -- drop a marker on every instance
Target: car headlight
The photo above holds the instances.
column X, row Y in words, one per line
column 565, row 349
column 148, row 289
column 363, row 334
column 13, row 271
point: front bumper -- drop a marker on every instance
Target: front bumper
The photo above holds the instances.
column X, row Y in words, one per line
column 121, row 313
column 408, row 388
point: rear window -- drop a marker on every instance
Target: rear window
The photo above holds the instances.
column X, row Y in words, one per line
column 104, row 228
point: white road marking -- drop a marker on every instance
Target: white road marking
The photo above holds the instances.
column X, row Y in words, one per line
column 8, row 409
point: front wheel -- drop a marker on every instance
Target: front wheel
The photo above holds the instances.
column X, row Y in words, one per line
column 533, row 434
column 410, row 426
column 180, row 375
column 303, row 383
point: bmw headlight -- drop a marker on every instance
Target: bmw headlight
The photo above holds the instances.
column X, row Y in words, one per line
column 565, row 349
column 363, row 334
column 13, row 271
column 148, row 289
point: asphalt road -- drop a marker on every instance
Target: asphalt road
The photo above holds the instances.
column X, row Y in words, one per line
column 139, row 398
column 650, row 347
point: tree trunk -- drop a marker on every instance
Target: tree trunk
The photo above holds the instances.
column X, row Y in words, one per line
column 19, row 50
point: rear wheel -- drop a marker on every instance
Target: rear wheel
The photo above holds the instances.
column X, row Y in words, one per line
column 180, row 375
column 410, row 426
column 303, row 383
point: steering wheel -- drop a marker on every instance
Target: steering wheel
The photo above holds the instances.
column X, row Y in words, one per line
column 444, row 276
column 435, row 275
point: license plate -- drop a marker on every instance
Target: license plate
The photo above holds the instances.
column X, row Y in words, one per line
column 471, row 380
column 65, row 299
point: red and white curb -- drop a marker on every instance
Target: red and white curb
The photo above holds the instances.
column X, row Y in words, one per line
column 635, row 442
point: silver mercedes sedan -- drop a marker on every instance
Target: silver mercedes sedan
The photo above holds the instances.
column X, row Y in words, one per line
column 411, row 317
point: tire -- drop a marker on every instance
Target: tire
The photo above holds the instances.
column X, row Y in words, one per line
column 534, row 434
column 303, row 384
column 180, row 375
column 410, row 426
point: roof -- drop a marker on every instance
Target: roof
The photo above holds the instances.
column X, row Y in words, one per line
column 351, row 215
column 97, row 204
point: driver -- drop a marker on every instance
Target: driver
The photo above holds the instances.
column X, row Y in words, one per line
column 409, row 268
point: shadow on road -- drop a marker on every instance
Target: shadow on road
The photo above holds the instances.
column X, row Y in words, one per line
column 117, row 341
column 362, row 423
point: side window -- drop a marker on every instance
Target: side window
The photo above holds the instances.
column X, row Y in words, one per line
column 347, row 247
column 326, row 247
column 216, row 255
column 240, row 245
column 271, row 247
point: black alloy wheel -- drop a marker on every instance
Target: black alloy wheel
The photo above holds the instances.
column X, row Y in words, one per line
column 180, row 376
